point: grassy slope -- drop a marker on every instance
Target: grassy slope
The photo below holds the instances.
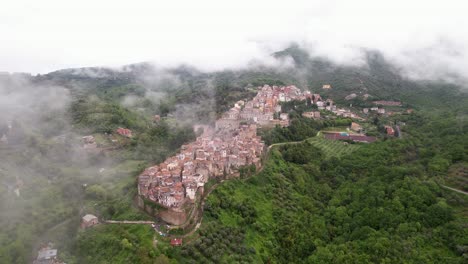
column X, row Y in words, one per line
column 333, row 148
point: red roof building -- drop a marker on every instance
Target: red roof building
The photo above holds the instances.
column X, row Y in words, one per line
column 390, row 130
column 124, row 132
column 176, row 242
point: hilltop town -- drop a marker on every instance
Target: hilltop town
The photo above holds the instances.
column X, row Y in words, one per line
column 225, row 169
column 221, row 150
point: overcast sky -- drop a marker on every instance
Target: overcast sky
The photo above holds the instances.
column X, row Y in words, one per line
column 429, row 37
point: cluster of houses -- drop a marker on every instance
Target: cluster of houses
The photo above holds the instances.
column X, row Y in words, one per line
column 374, row 109
column 380, row 110
column 177, row 180
column 313, row 114
column 346, row 113
column 232, row 143
column 220, row 151
column 329, row 106
column 91, row 146
column 264, row 107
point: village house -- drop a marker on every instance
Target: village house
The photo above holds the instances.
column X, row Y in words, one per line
column 389, row 130
column 388, row 103
column 156, row 118
column 356, row 127
column 176, row 242
column 326, row 86
column 124, row 132
column 89, row 220
column 351, row 96
column 89, row 142
column 47, row 255
column 314, row 115
column 331, row 108
column 316, row 98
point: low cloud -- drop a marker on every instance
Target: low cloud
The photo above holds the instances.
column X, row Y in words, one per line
column 423, row 38
column 30, row 104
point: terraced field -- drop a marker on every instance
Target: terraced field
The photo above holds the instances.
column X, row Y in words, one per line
column 332, row 148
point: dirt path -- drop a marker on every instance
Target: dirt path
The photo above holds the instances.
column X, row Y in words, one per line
column 453, row 189
column 291, row 142
column 285, row 143
column 129, row 222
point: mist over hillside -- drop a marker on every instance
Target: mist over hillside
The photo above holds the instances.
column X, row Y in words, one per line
column 307, row 131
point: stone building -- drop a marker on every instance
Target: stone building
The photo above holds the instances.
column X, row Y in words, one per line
column 89, row 220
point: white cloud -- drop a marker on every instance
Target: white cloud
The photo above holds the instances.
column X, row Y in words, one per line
column 39, row 36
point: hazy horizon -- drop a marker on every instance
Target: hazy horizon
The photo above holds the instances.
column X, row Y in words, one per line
column 420, row 37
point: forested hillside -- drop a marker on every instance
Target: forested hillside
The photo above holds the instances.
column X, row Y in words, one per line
column 382, row 203
column 313, row 202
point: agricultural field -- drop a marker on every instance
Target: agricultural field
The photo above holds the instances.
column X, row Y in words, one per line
column 332, row 148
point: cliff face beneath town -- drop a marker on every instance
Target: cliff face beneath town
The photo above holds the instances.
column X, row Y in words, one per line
column 221, row 150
